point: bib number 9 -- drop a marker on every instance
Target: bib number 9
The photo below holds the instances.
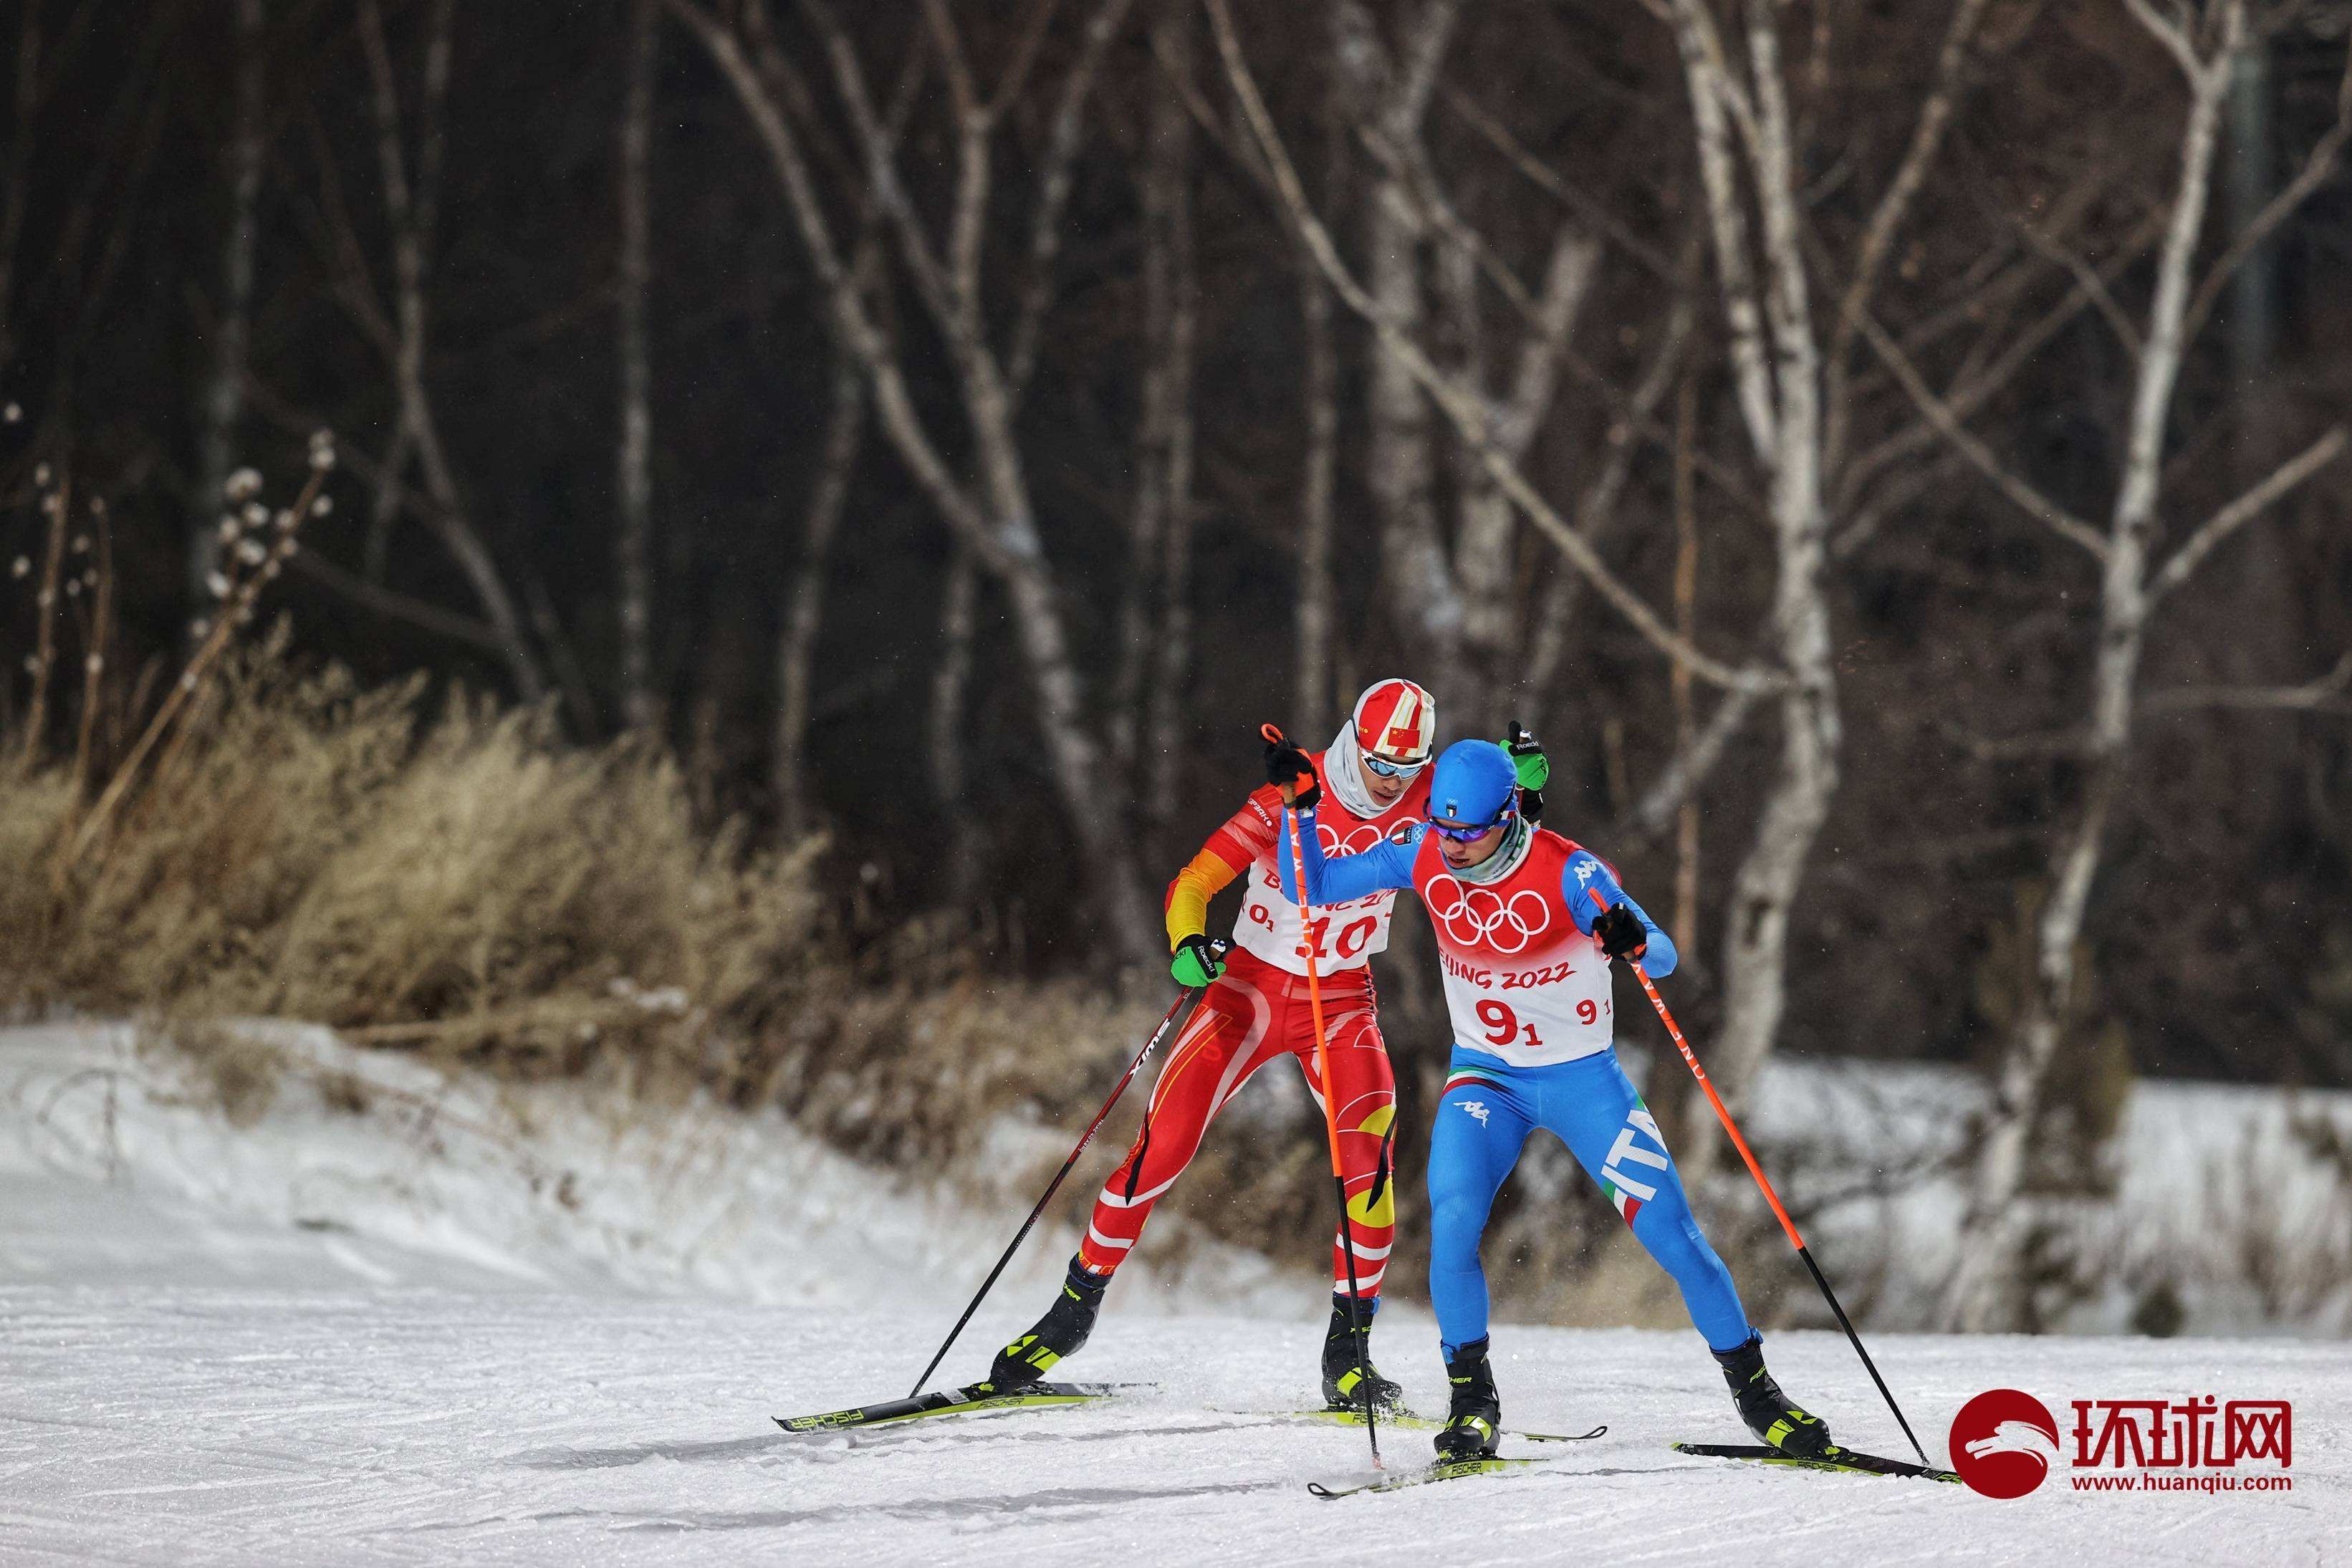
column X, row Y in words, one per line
column 1503, row 1026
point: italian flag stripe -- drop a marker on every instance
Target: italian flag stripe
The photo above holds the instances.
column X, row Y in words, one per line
column 1466, row 1075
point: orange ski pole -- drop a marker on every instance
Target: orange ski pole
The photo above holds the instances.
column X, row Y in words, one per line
column 1356, row 1327
column 1690, row 1059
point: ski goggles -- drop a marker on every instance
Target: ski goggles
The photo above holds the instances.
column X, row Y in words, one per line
column 1388, row 769
column 1466, row 835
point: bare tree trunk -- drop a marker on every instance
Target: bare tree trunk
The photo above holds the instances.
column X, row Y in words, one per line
column 1315, row 698
column 412, row 217
column 950, row 682
column 640, row 708
column 1596, row 505
column 25, row 109
column 1780, row 403
column 804, row 603
column 223, row 400
column 1463, row 407
column 1163, row 171
column 1686, row 917
column 996, row 520
column 1172, row 665
column 1391, row 95
column 1485, row 541
column 1990, row 1294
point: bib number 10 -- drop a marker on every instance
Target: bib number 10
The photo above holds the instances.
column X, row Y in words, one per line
column 1352, row 936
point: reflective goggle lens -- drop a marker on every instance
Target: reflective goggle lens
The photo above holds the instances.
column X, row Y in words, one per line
column 1388, row 769
column 1466, row 835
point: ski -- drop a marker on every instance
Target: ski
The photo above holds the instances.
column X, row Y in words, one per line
column 1444, row 1470
column 1405, row 1421
column 973, row 1400
column 1846, row 1459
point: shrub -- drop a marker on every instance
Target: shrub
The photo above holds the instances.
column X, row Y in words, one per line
column 468, row 884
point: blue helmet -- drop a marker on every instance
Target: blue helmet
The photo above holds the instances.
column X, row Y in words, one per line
column 1475, row 782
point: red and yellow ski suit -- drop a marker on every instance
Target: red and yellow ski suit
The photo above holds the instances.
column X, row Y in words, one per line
column 1259, row 1010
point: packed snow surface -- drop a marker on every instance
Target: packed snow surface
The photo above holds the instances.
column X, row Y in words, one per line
column 282, row 1357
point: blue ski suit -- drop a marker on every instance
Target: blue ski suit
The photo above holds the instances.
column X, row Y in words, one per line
column 1528, row 991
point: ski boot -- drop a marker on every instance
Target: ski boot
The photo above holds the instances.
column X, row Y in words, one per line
column 1060, row 1333
column 1767, row 1410
column 1473, row 1422
column 1348, row 1369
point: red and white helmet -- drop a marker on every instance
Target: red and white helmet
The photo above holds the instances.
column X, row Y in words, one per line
column 1396, row 721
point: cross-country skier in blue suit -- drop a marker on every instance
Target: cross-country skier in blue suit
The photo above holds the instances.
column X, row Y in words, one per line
column 1527, row 924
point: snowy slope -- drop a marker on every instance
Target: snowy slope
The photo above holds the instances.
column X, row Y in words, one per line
column 367, row 1339
column 409, row 1175
column 2234, row 1199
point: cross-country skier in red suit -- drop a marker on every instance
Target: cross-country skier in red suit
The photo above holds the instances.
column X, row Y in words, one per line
column 1255, row 1011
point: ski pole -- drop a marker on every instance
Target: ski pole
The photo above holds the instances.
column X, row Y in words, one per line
column 1190, row 994
column 1355, row 1330
column 1690, row 1058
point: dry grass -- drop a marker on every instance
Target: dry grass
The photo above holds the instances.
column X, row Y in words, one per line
column 464, row 883
column 453, row 879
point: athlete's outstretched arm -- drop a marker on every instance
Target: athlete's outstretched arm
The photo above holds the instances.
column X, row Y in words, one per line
column 1384, row 865
column 1581, row 878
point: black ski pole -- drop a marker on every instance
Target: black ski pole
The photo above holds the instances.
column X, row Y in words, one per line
column 1190, row 994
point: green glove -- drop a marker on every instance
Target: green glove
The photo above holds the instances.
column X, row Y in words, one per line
column 1198, row 961
column 1527, row 757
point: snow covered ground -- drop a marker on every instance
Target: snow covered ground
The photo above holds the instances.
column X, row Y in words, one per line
column 2235, row 1201
column 385, row 1337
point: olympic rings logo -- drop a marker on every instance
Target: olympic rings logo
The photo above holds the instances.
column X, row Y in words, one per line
column 1474, row 914
column 1355, row 842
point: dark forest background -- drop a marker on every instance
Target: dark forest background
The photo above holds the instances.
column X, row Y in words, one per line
column 227, row 224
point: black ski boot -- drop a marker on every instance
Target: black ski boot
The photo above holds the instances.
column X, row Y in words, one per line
column 1767, row 1410
column 1348, row 1366
column 1060, row 1333
column 1473, row 1422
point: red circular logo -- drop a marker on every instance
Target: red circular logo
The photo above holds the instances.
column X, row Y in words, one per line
column 2003, row 1442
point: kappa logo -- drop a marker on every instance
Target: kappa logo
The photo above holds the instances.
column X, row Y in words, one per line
column 1476, row 1108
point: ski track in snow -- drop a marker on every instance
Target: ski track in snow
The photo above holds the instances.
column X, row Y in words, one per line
column 190, row 1376
column 171, row 1425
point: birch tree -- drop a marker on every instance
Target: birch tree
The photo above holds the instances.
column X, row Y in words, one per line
column 223, row 403
column 805, row 599
column 412, row 211
column 991, row 511
column 1457, row 600
column 1992, row 1291
column 1775, row 360
column 1791, row 386
column 632, row 482
column 1154, row 623
column 1172, row 172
